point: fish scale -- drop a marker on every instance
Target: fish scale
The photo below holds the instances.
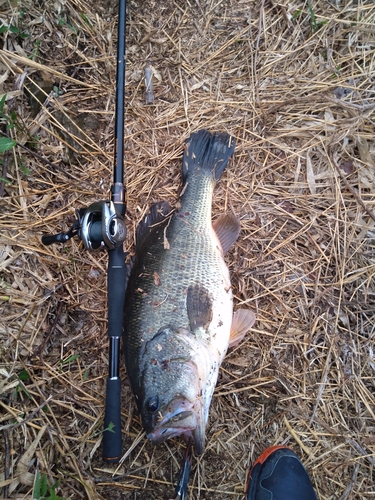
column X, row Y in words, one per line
column 191, row 259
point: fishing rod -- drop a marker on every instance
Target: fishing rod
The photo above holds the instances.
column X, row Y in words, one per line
column 185, row 468
column 102, row 226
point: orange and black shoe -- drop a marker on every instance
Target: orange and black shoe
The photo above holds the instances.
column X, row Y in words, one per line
column 278, row 474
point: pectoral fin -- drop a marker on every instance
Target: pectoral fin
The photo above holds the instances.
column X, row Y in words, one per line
column 243, row 320
column 227, row 228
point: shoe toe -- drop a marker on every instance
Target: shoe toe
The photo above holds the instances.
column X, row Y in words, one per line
column 280, row 476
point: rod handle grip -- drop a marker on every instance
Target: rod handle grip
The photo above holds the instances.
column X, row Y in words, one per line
column 116, row 290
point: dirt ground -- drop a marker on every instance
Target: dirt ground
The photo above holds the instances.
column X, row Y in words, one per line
column 294, row 82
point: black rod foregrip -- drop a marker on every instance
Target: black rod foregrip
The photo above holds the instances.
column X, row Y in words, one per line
column 116, row 284
column 112, row 439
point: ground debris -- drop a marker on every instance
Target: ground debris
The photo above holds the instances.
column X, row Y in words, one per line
column 295, row 91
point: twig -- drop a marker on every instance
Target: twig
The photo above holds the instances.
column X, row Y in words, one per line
column 6, row 155
column 39, row 350
column 4, row 170
column 115, row 479
column 32, row 152
column 351, row 189
column 25, row 420
column 6, row 461
column 149, row 89
column 350, row 486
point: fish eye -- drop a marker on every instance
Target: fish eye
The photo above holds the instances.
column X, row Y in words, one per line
column 153, row 404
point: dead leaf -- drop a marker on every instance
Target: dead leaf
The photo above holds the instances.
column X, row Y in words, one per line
column 310, row 174
column 157, row 280
column 238, row 361
column 347, row 167
column 167, row 246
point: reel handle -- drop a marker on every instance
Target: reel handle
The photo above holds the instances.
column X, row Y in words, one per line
column 55, row 238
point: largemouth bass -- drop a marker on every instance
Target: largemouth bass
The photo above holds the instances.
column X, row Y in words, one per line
column 178, row 320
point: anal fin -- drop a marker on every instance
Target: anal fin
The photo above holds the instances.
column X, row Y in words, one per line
column 243, row 320
column 227, row 228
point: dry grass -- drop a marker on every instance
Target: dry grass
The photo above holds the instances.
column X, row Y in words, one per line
column 297, row 92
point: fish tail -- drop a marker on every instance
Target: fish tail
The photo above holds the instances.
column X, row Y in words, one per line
column 207, row 153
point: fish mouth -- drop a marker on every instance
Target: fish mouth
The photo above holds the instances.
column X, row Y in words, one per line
column 181, row 419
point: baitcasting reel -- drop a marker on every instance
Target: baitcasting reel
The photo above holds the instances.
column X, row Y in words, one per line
column 98, row 226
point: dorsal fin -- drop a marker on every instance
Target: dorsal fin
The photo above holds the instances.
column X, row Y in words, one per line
column 158, row 213
column 227, row 228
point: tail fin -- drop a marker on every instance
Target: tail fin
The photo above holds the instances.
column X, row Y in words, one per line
column 207, row 152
